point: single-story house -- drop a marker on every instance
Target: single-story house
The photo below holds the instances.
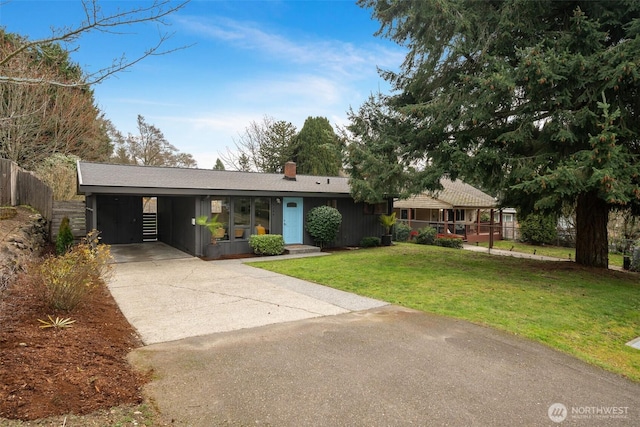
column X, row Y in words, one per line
column 458, row 209
column 117, row 205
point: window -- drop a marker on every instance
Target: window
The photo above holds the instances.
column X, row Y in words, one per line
column 262, row 214
column 459, row 215
column 241, row 217
column 220, row 207
column 407, row 214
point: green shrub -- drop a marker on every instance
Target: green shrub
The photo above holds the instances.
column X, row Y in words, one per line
column 323, row 224
column 64, row 240
column 635, row 258
column 426, row 236
column 449, row 242
column 370, row 242
column 267, row 244
column 388, row 221
column 402, row 232
column 66, row 280
column 538, row 229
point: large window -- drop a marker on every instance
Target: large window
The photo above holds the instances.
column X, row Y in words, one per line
column 220, row 210
column 262, row 215
column 241, row 217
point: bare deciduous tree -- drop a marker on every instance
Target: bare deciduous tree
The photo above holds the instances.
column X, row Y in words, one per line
column 263, row 147
column 46, row 104
column 150, row 148
column 96, row 21
column 37, row 121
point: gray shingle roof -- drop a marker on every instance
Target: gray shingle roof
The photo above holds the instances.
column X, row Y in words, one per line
column 455, row 194
column 112, row 178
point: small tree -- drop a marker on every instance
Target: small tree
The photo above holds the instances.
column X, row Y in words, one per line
column 215, row 227
column 426, row 236
column 219, row 166
column 65, row 237
column 402, row 232
column 323, row 223
column 388, row 222
column 538, row 229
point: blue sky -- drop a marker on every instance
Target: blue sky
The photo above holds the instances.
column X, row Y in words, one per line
column 286, row 59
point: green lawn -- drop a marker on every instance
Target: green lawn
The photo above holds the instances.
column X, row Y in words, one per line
column 589, row 313
column 552, row 251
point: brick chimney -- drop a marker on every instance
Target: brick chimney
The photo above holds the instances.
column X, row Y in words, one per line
column 290, row 171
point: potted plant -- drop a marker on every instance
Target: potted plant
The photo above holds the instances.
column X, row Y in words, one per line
column 387, row 222
column 216, row 229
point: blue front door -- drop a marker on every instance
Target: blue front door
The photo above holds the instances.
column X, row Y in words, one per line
column 292, row 220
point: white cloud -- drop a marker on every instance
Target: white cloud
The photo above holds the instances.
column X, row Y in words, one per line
column 329, row 56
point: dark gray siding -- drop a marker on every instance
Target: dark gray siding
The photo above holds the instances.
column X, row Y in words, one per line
column 119, row 219
column 355, row 224
column 175, row 226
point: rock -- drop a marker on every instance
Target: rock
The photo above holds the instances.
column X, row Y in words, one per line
column 20, row 244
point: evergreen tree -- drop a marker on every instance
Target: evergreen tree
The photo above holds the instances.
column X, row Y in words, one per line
column 219, row 166
column 538, row 100
column 318, row 150
column 263, row 147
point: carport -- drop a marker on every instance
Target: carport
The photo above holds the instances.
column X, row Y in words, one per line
column 127, row 219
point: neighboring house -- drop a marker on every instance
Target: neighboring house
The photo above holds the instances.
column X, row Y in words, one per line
column 458, row 209
column 510, row 227
column 243, row 201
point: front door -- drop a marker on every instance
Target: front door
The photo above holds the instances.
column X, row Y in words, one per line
column 292, row 220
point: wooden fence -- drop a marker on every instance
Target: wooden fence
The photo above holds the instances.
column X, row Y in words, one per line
column 21, row 187
column 75, row 211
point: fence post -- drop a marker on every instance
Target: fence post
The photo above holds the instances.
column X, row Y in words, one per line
column 15, row 169
column 491, row 224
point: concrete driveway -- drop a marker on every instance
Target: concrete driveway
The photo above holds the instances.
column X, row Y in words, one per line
column 167, row 295
column 233, row 345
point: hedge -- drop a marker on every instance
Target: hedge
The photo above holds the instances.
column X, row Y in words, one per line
column 267, row 244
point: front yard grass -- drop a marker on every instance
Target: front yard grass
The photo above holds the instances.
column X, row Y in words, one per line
column 546, row 250
column 585, row 312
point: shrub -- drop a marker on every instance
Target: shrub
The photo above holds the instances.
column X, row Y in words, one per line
column 449, row 242
column 266, row 244
column 59, row 172
column 388, row 221
column 538, row 229
column 402, row 232
column 323, row 223
column 64, row 240
column 67, row 279
column 635, row 258
column 370, row 242
column 426, row 236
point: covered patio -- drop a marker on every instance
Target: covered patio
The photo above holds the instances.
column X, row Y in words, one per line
column 459, row 209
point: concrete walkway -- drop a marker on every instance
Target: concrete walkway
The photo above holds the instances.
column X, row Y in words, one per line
column 502, row 252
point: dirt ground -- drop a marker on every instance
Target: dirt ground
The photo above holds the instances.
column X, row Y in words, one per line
column 79, row 370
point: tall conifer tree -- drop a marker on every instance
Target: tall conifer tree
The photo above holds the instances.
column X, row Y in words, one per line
column 538, row 100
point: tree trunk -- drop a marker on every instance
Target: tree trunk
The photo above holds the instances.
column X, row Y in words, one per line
column 592, row 214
